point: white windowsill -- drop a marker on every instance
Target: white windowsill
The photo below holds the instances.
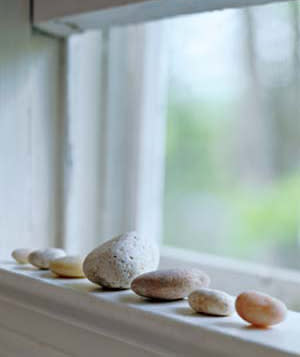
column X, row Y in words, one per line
column 234, row 276
column 69, row 317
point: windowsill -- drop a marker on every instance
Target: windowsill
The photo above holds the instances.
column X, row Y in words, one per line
column 52, row 312
column 234, row 276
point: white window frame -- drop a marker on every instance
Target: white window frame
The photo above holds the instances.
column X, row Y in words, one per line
column 115, row 139
column 66, row 17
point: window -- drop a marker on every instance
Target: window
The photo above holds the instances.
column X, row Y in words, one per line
column 187, row 130
column 232, row 155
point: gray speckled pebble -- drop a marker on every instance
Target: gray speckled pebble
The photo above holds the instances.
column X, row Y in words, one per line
column 21, row 255
column 117, row 262
column 211, row 302
column 42, row 258
column 171, row 284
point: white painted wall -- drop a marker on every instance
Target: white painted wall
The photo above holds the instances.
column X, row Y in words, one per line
column 30, row 123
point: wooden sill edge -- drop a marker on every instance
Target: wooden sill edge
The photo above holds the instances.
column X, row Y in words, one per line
column 162, row 328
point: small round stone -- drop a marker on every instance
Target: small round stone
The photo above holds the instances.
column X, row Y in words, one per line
column 21, row 255
column 42, row 258
column 67, row 267
column 171, row 284
column 211, row 302
column 117, row 262
column 260, row 309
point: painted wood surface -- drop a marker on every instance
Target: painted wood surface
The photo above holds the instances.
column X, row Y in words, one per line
column 65, row 17
column 30, row 123
column 78, row 318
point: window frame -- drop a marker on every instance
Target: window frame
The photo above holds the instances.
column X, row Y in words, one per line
column 63, row 18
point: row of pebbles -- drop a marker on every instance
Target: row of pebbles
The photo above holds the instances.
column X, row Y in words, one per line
column 128, row 261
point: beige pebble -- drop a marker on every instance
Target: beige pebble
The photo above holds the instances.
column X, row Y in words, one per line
column 260, row 309
column 21, row 255
column 68, row 267
column 42, row 258
column 118, row 261
column 211, row 302
column 172, row 284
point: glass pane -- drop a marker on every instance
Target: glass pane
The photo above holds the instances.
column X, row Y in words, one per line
column 232, row 183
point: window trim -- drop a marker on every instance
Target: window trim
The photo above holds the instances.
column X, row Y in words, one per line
column 63, row 18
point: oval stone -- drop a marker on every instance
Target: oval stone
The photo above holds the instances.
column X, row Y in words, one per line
column 211, row 302
column 21, row 255
column 67, row 267
column 171, row 284
column 42, row 258
column 117, row 262
column 260, row 309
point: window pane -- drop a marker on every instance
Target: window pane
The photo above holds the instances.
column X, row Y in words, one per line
column 232, row 182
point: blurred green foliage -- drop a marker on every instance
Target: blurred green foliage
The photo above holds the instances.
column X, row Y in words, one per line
column 199, row 163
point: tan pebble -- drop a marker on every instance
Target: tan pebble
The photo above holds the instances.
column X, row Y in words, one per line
column 172, row 284
column 211, row 302
column 68, row 267
column 21, row 255
column 42, row 258
column 260, row 309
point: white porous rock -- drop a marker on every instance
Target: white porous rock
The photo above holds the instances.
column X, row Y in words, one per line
column 211, row 302
column 21, row 255
column 117, row 262
column 42, row 258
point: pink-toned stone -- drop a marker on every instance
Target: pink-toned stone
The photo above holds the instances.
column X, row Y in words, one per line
column 260, row 309
column 172, row 284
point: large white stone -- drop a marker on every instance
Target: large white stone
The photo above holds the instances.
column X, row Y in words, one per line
column 42, row 258
column 117, row 262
